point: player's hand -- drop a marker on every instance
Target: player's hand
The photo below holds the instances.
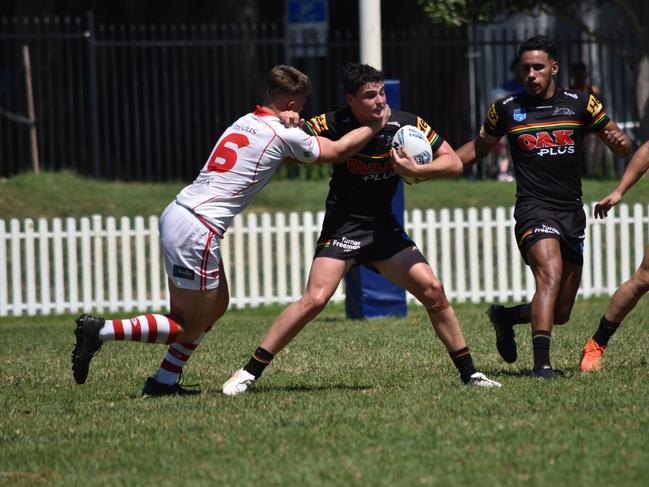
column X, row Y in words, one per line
column 605, row 204
column 617, row 141
column 290, row 119
column 404, row 164
column 377, row 125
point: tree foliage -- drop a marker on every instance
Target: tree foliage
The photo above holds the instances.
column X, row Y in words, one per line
column 633, row 14
column 630, row 16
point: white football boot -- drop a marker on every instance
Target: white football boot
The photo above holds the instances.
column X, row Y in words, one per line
column 238, row 383
column 480, row 380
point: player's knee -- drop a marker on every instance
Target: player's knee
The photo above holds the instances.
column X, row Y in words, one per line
column 641, row 278
column 434, row 297
column 315, row 301
column 548, row 277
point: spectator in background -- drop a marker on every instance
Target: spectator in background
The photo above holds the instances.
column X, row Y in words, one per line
column 500, row 152
column 592, row 158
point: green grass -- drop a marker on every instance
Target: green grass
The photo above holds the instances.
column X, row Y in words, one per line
column 64, row 194
column 347, row 403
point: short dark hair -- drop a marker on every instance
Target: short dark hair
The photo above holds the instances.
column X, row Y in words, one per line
column 539, row 43
column 356, row 75
column 285, row 80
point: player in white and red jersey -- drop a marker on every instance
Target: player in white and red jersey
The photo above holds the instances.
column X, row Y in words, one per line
column 192, row 226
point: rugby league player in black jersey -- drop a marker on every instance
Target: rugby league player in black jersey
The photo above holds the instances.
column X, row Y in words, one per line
column 545, row 125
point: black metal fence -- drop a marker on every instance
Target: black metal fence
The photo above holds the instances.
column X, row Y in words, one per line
column 147, row 102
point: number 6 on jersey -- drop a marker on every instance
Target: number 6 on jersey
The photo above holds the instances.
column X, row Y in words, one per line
column 224, row 156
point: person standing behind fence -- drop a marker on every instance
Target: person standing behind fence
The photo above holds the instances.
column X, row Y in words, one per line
column 592, row 157
column 501, row 152
column 545, row 125
column 192, row 226
column 360, row 228
column 629, row 293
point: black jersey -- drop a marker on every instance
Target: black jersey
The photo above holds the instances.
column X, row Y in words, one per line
column 546, row 140
column 363, row 185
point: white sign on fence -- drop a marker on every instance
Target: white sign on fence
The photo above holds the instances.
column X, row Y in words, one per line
column 105, row 264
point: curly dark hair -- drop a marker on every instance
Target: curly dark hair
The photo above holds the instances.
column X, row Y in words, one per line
column 539, row 43
column 356, row 75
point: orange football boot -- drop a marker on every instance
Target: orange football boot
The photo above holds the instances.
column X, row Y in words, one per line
column 591, row 356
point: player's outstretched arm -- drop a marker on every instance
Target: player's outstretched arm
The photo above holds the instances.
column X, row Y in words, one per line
column 615, row 139
column 336, row 151
column 477, row 149
column 445, row 164
column 637, row 167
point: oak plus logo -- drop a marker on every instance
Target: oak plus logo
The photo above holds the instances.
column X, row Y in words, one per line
column 548, row 143
column 371, row 171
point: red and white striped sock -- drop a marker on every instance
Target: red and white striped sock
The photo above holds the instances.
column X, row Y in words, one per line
column 149, row 328
column 175, row 359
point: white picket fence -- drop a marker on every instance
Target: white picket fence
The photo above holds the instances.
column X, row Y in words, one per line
column 94, row 264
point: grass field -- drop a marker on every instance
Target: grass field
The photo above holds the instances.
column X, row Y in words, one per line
column 347, row 403
column 64, row 194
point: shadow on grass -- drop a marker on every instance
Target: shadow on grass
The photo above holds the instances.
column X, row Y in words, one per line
column 305, row 388
column 266, row 389
column 565, row 373
column 302, row 388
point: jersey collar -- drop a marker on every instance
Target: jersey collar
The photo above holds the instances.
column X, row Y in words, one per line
column 263, row 112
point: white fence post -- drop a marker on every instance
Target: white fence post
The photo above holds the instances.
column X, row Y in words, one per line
column 267, row 258
column 4, row 288
column 98, row 269
column 86, row 264
column 487, row 254
column 294, row 253
column 154, row 262
column 111, row 263
column 474, row 263
column 625, row 251
column 638, row 238
column 140, row 263
column 611, row 247
column 587, row 275
column 73, row 264
column 127, row 263
column 460, row 267
column 238, row 273
column 16, row 268
column 59, row 269
column 253, row 261
column 44, row 266
column 30, row 266
column 596, row 240
column 501, row 253
column 447, row 272
column 282, row 276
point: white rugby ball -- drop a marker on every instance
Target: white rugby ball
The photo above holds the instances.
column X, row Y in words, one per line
column 416, row 143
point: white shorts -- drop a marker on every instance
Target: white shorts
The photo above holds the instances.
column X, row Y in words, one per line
column 190, row 249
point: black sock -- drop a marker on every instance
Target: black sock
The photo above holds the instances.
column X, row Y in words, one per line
column 464, row 363
column 541, row 346
column 605, row 331
column 513, row 315
column 258, row 362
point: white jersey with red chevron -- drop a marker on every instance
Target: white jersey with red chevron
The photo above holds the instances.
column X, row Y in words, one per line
column 241, row 163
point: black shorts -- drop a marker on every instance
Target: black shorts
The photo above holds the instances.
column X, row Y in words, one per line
column 534, row 223
column 347, row 238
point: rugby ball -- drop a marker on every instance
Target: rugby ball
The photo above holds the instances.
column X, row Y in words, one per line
column 416, row 143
